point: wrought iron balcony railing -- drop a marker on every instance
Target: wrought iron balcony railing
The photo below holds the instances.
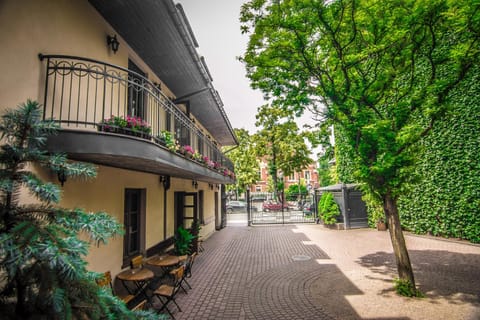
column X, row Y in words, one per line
column 83, row 93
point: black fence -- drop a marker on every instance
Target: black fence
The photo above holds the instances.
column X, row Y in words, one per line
column 264, row 208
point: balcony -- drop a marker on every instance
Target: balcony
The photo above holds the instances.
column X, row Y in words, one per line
column 81, row 94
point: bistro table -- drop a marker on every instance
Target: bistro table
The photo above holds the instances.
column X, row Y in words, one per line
column 140, row 277
column 166, row 262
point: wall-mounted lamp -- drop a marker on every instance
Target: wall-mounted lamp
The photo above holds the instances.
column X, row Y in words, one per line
column 210, row 186
column 62, row 177
column 113, row 43
column 195, row 184
column 165, row 180
column 218, row 187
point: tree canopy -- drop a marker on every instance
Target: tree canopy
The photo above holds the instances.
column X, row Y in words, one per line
column 244, row 159
column 281, row 142
column 383, row 71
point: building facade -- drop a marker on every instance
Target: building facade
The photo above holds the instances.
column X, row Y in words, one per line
column 124, row 81
column 307, row 177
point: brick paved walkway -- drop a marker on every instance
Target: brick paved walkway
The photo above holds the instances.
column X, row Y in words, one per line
column 309, row 272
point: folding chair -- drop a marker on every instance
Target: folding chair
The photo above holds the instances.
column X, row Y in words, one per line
column 188, row 270
column 166, row 293
column 136, row 262
column 106, row 280
column 142, row 305
column 200, row 245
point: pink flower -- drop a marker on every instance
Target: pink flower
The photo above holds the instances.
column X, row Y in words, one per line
column 188, row 149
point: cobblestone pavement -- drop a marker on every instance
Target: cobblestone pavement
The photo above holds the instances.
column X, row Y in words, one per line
column 310, row 272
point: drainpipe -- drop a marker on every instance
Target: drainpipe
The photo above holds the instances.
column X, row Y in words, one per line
column 249, row 211
column 346, row 221
column 166, row 186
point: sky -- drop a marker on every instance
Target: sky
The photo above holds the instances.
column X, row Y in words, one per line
column 216, row 26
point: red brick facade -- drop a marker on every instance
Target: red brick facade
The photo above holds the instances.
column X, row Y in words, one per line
column 308, row 176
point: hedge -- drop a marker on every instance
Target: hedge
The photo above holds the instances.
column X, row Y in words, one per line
column 445, row 199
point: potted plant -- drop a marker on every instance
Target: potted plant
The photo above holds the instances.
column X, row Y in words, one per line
column 187, row 151
column 129, row 125
column 376, row 215
column 183, row 241
column 167, row 138
column 381, row 224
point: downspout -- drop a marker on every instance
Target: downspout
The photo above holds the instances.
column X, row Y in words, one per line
column 166, row 186
column 346, row 216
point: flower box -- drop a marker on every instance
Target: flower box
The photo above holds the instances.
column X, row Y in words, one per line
column 132, row 126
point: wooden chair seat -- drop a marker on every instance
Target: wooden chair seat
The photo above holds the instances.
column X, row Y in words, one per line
column 141, row 306
column 164, row 290
column 106, row 281
column 127, row 298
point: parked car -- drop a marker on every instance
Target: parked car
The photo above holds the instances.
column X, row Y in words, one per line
column 238, row 206
column 309, row 209
column 258, row 198
column 274, row 206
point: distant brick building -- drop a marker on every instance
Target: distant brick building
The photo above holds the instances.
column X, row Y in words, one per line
column 308, row 177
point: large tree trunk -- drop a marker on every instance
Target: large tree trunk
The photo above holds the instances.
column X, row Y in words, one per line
column 404, row 267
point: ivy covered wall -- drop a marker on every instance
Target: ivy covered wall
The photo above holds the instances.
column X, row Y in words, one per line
column 445, row 198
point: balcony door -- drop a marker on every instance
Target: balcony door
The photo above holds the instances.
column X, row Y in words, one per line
column 182, row 133
column 136, row 91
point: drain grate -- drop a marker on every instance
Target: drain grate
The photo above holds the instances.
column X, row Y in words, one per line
column 301, row 258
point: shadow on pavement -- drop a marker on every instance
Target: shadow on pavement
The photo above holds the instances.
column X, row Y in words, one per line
column 439, row 274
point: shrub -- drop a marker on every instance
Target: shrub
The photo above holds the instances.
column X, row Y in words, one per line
column 183, row 241
column 328, row 209
column 406, row 289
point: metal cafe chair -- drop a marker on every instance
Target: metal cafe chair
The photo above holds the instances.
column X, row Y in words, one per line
column 188, row 270
column 166, row 292
column 142, row 305
column 106, row 280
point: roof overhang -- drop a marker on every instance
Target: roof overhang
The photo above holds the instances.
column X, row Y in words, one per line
column 160, row 34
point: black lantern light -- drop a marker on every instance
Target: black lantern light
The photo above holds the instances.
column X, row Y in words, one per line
column 165, row 180
column 113, row 43
column 62, row 177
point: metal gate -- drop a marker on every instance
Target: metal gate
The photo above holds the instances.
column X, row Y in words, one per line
column 263, row 210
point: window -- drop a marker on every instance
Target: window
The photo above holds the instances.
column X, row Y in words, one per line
column 168, row 121
column 200, row 144
column 181, row 133
column 134, row 221
column 136, row 93
column 186, row 209
column 307, row 175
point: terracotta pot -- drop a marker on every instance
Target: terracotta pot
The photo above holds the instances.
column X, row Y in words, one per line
column 381, row 226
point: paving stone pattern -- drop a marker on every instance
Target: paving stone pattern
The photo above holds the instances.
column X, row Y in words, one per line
column 249, row 273
column 311, row 272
